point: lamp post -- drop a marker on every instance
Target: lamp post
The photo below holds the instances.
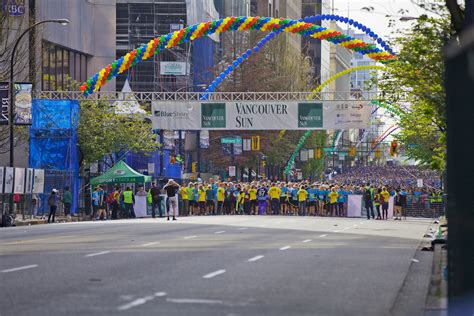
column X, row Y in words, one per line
column 12, row 83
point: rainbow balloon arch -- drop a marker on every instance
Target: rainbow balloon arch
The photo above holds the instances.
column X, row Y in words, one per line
column 305, row 27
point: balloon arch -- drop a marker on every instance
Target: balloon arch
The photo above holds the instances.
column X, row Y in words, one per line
column 304, row 27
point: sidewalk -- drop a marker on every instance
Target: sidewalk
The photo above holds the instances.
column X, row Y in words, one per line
column 38, row 220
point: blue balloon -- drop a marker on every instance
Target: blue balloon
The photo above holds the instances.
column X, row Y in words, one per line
column 226, row 71
column 379, row 40
column 249, row 52
column 346, row 20
column 230, row 68
column 244, row 55
column 351, row 21
column 222, row 75
column 356, row 24
column 219, row 80
column 364, row 28
column 240, row 59
column 256, row 49
column 235, row 63
column 372, row 34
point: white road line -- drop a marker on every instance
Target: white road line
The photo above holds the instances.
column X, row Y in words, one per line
column 97, row 254
column 160, row 294
column 263, row 225
column 213, row 274
column 190, row 237
column 336, row 231
column 415, row 260
column 285, row 248
column 151, row 244
column 135, row 303
column 307, row 240
column 20, row 268
column 243, row 228
column 255, row 258
column 323, row 236
column 347, row 228
column 193, row 301
column 220, row 232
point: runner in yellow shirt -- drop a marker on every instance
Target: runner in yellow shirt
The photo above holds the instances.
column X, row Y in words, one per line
column 274, row 194
column 202, row 200
column 333, row 195
column 253, row 199
column 220, row 198
column 302, row 196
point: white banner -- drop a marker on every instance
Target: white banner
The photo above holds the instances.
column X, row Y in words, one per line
column 177, row 68
column 29, row 180
column 232, row 171
column 2, row 176
column 38, row 182
column 151, row 168
column 19, row 181
column 9, row 174
column 354, row 205
column 261, row 115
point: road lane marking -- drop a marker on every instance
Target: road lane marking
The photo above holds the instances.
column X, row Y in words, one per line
column 336, row 231
column 285, row 248
column 415, row 260
column 347, row 228
column 307, row 240
column 190, row 237
column 323, row 236
column 220, row 232
column 243, row 228
column 160, row 294
column 20, row 268
column 135, row 303
column 263, row 225
column 98, row 254
column 59, row 237
column 255, row 258
column 151, row 244
column 193, row 301
column 213, row 274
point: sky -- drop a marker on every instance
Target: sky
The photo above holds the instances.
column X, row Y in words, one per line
column 377, row 19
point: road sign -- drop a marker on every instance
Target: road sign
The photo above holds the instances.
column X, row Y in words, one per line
column 255, row 142
column 231, row 140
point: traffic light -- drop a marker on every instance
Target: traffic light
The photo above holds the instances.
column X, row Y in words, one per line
column 318, row 153
column 378, row 153
column 352, row 151
column 194, row 167
column 393, row 148
column 256, row 143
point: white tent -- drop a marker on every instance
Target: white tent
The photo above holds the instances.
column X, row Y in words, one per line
column 129, row 104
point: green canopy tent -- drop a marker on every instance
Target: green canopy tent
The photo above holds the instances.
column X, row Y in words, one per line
column 120, row 173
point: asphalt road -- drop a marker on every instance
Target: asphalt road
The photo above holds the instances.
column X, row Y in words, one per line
column 234, row 265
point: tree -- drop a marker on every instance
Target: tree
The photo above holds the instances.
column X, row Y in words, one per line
column 102, row 132
column 415, row 84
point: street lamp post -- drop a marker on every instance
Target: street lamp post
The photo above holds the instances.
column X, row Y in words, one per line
column 12, row 84
column 11, row 120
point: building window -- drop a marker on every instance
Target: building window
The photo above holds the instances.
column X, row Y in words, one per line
column 61, row 67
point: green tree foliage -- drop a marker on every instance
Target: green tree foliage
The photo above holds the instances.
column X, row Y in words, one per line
column 415, row 84
column 102, row 132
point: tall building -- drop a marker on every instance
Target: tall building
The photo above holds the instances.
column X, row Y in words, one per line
column 360, row 79
column 318, row 51
column 51, row 56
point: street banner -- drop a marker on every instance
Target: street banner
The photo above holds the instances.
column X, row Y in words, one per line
column 38, row 182
column 14, row 7
column 151, row 168
column 23, row 102
column 270, row 115
column 29, row 180
column 19, row 186
column 232, row 171
column 354, row 205
column 9, row 174
column 2, row 176
column 5, row 102
column 204, row 140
